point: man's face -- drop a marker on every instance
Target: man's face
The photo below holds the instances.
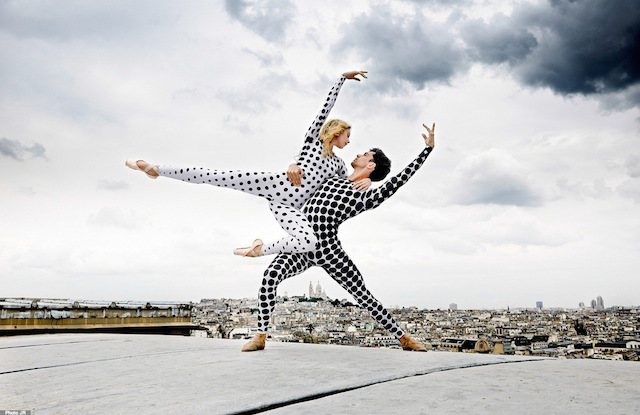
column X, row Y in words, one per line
column 362, row 160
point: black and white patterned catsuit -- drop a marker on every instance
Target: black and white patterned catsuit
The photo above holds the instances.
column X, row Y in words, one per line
column 285, row 200
column 330, row 206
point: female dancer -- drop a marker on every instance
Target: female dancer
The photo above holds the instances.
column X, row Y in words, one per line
column 316, row 163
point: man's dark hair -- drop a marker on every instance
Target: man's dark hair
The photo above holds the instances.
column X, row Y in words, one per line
column 383, row 165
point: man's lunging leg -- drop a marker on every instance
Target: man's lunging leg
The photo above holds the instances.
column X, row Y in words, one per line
column 348, row 276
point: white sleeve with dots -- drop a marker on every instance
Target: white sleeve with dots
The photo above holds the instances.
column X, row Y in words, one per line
column 374, row 197
column 312, row 143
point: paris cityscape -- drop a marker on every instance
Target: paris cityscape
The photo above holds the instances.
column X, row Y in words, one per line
column 587, row 331
column 592, row 331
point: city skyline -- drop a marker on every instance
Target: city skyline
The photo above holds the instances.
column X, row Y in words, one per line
column 531, row 194
column 324, row 296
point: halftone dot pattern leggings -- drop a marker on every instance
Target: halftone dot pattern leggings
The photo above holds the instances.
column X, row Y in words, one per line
column 275, row 187
column 339, row 266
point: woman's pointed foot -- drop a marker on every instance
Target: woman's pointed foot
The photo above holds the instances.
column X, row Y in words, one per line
column 256, row 343
column 254, row 250
column 409, row 343
column 150, row 170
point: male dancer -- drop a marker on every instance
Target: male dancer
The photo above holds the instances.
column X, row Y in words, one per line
column 333, row 203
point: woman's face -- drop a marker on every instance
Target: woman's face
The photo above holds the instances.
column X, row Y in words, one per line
column 343, row 139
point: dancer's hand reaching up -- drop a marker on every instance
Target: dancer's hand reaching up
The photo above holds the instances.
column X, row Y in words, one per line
column 362, row 184
column 294, row 174
column 352, row 75
column 430, row 141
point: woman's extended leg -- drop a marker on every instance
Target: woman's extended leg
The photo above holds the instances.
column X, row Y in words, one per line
column 274, row 187
column 283, row 197
column 271, row 186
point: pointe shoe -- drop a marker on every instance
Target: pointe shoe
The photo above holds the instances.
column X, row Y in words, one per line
column 256, row 343
column 133, row 164
column 254, row 250
column 409, row 343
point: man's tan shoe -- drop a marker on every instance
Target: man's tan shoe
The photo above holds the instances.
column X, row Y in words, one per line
column 256, row 343
column 409, row 343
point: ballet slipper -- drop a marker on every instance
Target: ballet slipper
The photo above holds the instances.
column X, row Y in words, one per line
column 409, row 343
column 254, row 250
column 133, row 164
column 256, row 343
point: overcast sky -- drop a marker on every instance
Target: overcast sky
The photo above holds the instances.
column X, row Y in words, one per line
column 532, row 192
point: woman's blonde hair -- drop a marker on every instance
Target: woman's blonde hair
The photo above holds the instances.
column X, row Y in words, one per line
column 330, row 130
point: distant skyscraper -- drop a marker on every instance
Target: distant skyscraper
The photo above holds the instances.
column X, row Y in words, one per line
column 539, row 305
column 453, row 306
column 311, row 293
column 593, row 304
column 599, row 303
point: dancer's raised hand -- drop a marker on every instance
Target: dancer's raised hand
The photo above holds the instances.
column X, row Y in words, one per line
column 352, row 75
column 294, row 174
column 430, row 141
column 362, row 184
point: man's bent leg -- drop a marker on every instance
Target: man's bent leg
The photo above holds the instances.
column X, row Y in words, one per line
column 281, row 268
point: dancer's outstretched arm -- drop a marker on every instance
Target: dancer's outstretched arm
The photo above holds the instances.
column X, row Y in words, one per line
column 312, row 147
column 374, row 197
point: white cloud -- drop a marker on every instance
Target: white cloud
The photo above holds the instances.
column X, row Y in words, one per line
column 632, row 164
column 113, row 185
column 494, row 177
column 630, row 189
column 16, row 150
column 111, row 216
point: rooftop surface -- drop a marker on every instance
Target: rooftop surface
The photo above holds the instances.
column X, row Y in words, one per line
column 150, row 374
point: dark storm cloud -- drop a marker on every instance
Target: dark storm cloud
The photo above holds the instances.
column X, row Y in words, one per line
column 440, row 3
column 267, row 18
column 571, row 47
column 18, row 151
column 584, row 46
column 413, row 49
column 497, row 41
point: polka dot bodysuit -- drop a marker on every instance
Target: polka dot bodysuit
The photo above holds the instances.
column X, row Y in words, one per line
column 285, row 200
column 330, row 206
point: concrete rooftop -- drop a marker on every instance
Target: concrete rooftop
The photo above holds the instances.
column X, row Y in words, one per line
column 150, row 374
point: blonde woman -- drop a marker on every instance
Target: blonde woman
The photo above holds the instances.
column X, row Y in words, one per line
column 286, row 192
